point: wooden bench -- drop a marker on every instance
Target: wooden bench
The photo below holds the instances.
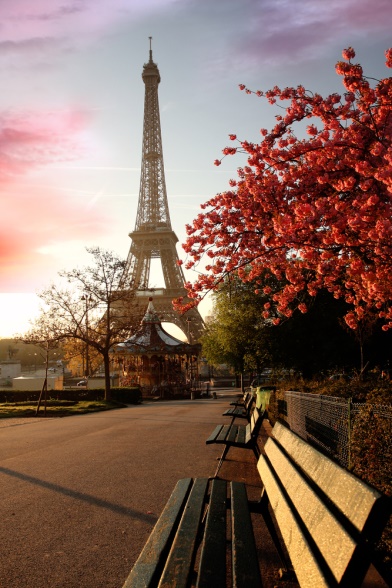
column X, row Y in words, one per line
column 188, row 545
column 328, row 518
column 242, row 436
column 241, row 412
column 242, row 401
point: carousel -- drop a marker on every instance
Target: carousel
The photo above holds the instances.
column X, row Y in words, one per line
column 159, row 363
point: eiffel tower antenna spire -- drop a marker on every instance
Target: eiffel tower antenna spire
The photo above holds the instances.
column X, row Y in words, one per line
column 153, row 236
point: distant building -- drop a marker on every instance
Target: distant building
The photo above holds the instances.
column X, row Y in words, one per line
column 36, row 383
column 9, row 370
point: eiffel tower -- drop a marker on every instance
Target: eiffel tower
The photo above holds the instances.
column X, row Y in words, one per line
column 153, row 236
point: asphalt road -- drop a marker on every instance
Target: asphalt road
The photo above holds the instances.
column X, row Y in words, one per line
column 80, row 495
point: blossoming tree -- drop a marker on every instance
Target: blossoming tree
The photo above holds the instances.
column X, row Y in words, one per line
column 309, row 213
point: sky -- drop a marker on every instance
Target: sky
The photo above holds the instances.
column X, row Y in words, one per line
column 71, row 113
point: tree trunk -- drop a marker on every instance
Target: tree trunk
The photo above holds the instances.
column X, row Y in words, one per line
column 43, row 389
column 106, row 363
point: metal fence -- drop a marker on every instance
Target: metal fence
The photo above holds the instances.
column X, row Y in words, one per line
column 335, row 425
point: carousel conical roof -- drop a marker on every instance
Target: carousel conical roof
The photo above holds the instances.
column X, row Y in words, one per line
column 151, row 336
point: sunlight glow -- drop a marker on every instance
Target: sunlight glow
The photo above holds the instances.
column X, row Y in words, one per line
column 16, row 312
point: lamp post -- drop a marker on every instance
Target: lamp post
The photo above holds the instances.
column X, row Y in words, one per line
column 188, row 320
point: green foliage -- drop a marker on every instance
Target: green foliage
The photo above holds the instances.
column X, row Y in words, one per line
column 375, row 391
column 311, row 343
column 371, row 458
column 372, row 438
column 55, row 408
column 63, row 402
column 237, row 335
column 316, row 342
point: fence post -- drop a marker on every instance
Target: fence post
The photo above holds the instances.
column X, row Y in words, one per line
column 349, row 434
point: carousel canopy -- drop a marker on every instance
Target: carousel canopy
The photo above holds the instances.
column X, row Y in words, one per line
column 151, row 337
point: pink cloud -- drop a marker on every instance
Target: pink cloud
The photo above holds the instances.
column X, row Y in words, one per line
column 23, row 19
column 34, row 218
column 289, row 31
column 34, row 139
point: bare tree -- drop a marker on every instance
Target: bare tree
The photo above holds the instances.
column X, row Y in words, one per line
column 43, row 335
column 93, row 307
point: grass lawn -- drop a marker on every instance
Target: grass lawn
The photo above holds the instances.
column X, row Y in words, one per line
column 55, row 408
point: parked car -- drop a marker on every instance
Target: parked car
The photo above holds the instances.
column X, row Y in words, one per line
column 82, row 383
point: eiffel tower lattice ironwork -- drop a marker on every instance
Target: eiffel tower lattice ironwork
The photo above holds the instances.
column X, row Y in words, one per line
column 153, row 236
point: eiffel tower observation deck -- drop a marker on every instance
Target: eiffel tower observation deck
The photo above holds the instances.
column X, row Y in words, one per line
column 153, row 236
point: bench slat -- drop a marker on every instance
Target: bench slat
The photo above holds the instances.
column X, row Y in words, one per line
column 212, row 569
column 151, row 560
column 328, row 518
column 237, row 412
column 242, row 435
column 241, row 412
column 319, row 521
column 246, row 571
column 214, row 434
column 223, row 434
column 249, row 432
column 230, row 411
column 352, row 496
column 181, row 557
column 232, row 436
column 307, row 569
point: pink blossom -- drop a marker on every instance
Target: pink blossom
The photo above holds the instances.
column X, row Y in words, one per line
column 348, row 53
column 388, row 55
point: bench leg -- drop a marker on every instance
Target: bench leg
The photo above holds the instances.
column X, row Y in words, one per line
column 221, row 460
column 256, row 451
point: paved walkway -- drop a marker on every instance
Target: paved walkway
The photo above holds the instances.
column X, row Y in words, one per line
column 81, row 494
column 14, row 422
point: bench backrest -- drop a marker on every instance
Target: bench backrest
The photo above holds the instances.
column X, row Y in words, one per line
column 249, row 404
column 247, row 397
column 326, row 516
column 254, row 425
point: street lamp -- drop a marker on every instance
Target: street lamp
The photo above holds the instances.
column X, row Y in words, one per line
column 188, row 320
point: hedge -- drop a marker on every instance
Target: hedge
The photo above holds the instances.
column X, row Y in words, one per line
column 125, row 395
